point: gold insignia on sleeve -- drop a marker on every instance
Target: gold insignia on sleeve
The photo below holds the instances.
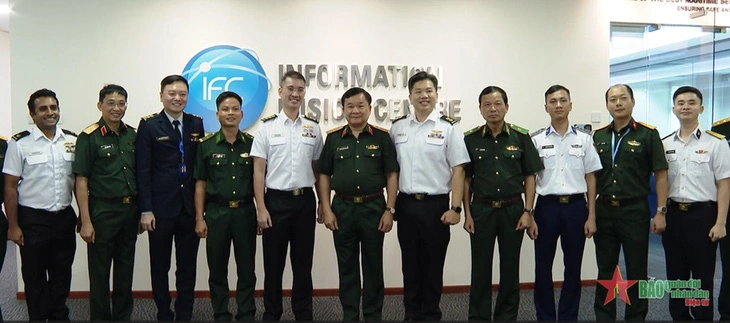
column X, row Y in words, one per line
column 335, row 129
column 519, row 129
column 271, row 117
column 380, row 128
column 719, row 122
column 715, row 134
column 149, row 116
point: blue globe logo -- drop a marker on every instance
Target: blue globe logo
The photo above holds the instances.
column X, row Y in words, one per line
column 226, row 68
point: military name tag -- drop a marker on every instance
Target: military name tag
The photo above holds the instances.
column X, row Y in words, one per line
column 576, row 146
column 670, row 151
column 548, row 147
column 104, row 147
column 163, row 138
column 218, row 156
column 343, row 148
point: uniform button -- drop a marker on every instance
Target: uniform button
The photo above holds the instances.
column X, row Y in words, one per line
column 561, row 154
column 496, row 157
column 480, row 157
column 181, row 185
column 614, row 181
column 372, row 155
column 233, row 163
column 497, row 190
column 231, row 149
column 357, row 156
column 562, row 184
column 358, row 141
column 683, row 188
column 684, row 158
column 497, row 173
column 632, row 150
column 341, row 157
column 561, row 169
column 615, row 165
column 234, row 192
column 495, row 142
column 108, row 154
column 217, row 163
column 122, row 153
column 682, row 174
column 358, row 187
column 234, row 177
column 125, row 167
column 613, row 196
column 357, row 170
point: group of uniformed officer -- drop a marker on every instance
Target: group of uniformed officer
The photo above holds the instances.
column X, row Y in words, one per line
column 172, row 180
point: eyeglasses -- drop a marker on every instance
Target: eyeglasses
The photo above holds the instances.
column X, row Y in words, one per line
column 112, row 104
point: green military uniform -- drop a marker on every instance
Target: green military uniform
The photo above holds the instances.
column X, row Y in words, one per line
column 230, row 215
column 622, row 211
column 358, row 166
column 497, row 171
column 3, row 219
column 107, row 160
column 723, row 301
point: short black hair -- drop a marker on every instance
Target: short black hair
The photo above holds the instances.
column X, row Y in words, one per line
column 111, row 89
column 294, row 75
column 556, row 88
column 40, row 94
column 420, row 76
column 628, row 89
column 172, row 79
column 491, row 89
column 225, row 95
column 687, row 89
column 355, row 91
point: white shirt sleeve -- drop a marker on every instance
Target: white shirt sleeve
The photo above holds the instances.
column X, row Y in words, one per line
column 591, row 161
column 13, row 159
column 720, row 160
column 456, row 153
column 259, row 147
column 318, row 145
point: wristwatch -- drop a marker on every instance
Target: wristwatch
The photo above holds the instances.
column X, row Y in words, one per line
column 456, row 209
column 661, row 209
column 390, row 209
column 531, row 211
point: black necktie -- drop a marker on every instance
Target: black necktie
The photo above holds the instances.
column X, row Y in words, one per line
column 176, row 128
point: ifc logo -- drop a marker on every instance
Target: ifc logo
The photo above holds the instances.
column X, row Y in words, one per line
column 226, row 68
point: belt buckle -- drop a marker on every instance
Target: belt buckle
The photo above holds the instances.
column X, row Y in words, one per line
column 419, row 196
column 127, row 200
column 615, row 203
column 233, row 204
column 496, row 204
column 297, row 192
column 683, row 206
column 357, row 199
column 564, row 199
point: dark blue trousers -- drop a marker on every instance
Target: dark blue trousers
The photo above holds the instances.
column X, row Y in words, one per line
column 564, row 220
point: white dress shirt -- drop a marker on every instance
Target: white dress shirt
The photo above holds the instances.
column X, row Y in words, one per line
column 44, row 166
column 289, row 148
column 695, row 166
column 426, row 153
column 567, row 160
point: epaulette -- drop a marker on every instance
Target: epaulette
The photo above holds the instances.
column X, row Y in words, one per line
column 448, row 119
column 582, row 130
column 19, row 135
column 379, row 128
column 539, row 131
column 311, row 119
column 195, row 115
column 472, row 130
column 149, row 116
column 69, row 132
column 271, row 117
column 91, row 128
column 719, row 122
column 3, row 138
column 248, row 135
column 399, row 119
column 715, row 134
column 335, row 129
column 129, row 126
column 208, row 136
column 669, row 135
column 647, row 125
column 519, row 129
column 601, row 127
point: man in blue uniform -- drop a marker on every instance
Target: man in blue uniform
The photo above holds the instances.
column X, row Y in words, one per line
column 166, row 145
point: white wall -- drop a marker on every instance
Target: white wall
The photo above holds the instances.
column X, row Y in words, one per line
column 74, row 47
column 5, row 111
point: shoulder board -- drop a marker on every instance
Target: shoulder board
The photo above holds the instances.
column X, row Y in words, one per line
column 311, row 119
column 69, row 132
column 399, row 119
column 91, row 128
column 537, row 132
column 208, row 136
column 669, row 135
column 647, row 125
column 271, row 117
column 335, row 129
column 149, row 116
column 472, row 130
column 519, row 129
column 715, row 134
column 129, row 126
column 3, row 138
column 19, row 135
column 582, row 130
column 719, row 122
column 448, row 119
column 248, row 135
column 195, row 115
column 380, row 128
column 602, row 127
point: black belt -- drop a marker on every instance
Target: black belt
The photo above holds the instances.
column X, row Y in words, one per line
column 424, row 196
column 498, row 203
column 295, row 192
column 116, row 200
column 621, row 202
column 686, row 207
column 231, row 204
column 360, row 199
column 562, row 199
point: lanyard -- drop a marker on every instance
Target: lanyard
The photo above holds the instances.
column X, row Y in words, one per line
column 615, row 146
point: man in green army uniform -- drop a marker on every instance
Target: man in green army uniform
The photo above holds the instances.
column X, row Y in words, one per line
column 503, row 165
column 357, row 161
column 224, row 209
column 3, row 219
column 105, row 193
column 629, row 151
column 723, row 301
